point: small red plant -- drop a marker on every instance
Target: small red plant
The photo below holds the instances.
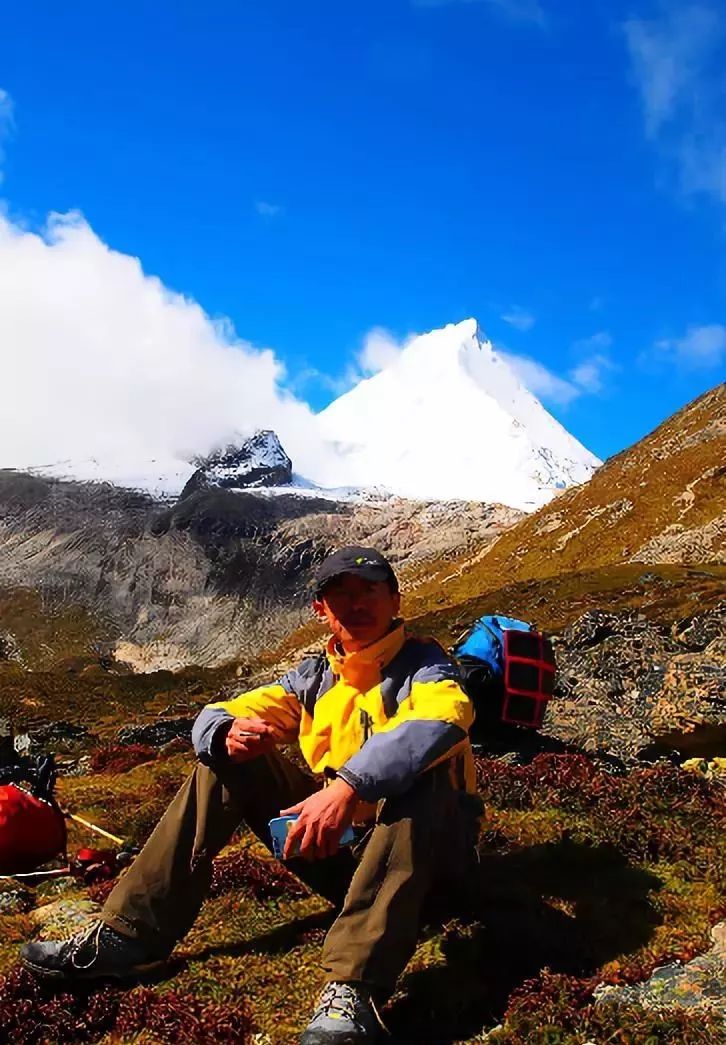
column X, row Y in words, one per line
column 264, row 879
column 32, row 1013
column 118, row 758
column 100, row 891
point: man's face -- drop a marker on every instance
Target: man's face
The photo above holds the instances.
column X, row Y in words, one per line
column 358, row 612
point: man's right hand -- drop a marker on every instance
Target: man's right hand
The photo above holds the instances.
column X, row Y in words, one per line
column 249, row 737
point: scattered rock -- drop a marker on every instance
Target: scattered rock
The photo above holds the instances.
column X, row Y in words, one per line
column 77, row 767
column 696, row 633
column 52, row 888
column 700, row 982
column 15, row 900
column 9, row 649
column 156, row 734
column 626, row 686
column 57, row 734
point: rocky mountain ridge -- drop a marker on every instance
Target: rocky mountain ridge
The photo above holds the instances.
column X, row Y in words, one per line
column 220, row 575
column 420, row 428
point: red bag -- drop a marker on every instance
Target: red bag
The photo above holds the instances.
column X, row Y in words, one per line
column 32, row 830
column 529, row 677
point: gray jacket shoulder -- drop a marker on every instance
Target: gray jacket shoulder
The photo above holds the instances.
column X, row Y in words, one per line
column 309, row 680
column 418, row 660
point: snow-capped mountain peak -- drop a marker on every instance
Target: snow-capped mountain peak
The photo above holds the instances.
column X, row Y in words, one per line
column 263, row 450
column 446, row 419
column 259, row 461
column 449, row 419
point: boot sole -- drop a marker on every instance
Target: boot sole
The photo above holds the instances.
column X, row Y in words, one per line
column 88, row 974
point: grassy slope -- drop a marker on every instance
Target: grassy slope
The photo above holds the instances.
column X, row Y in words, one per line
column 630, row 501
column 575, row 877
column 46, row 630
column 664, row 593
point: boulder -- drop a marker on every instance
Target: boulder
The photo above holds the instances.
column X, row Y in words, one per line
column 698, row 983
column 626, row 685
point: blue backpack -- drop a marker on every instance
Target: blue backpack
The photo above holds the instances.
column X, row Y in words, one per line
column 508, row 670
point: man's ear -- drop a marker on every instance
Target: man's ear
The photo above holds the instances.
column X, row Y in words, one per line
column 396, row 603
column 318, row 609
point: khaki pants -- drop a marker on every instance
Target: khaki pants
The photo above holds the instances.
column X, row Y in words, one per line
column 418, row 839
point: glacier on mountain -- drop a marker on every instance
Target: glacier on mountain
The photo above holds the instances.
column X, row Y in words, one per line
column 449, row 419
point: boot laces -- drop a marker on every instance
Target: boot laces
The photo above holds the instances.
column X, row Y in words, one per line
column 344, row 1000
column 89, row 935
column 340, row 999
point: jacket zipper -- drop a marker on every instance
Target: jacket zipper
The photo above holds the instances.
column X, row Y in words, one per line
column 365, row 721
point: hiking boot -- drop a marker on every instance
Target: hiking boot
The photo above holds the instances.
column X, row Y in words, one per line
column 346, row 1015
column 93, row 953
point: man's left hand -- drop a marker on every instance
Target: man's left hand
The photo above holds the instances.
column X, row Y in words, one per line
column 322, row 819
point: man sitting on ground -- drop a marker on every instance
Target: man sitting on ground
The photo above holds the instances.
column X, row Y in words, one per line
column 382, row 718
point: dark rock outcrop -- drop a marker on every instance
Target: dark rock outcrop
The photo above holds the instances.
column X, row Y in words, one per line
column 259, row 461
column 58, row 734
column 156, row 734
column 626, row 686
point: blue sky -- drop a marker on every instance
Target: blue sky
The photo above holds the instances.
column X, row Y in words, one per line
column 317, row 170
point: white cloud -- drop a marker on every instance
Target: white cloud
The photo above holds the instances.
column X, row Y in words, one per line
column 335, row 383
column 519, row 318
column 699, row 347
column 517, row 10
column 100, row 359
column 540, row 381
column 7, row 122
column 380, row 349
column 679, row 65
column 600, row 340
column 268, row 210
column 588, row 375
column 587, row 378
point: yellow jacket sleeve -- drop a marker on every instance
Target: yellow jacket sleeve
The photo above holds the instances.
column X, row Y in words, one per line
column 274, row 704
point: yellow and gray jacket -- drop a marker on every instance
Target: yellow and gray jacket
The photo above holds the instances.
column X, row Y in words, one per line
column 378, row 718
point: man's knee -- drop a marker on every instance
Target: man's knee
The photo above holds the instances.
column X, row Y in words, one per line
column 440, row 821
column 430, row 799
